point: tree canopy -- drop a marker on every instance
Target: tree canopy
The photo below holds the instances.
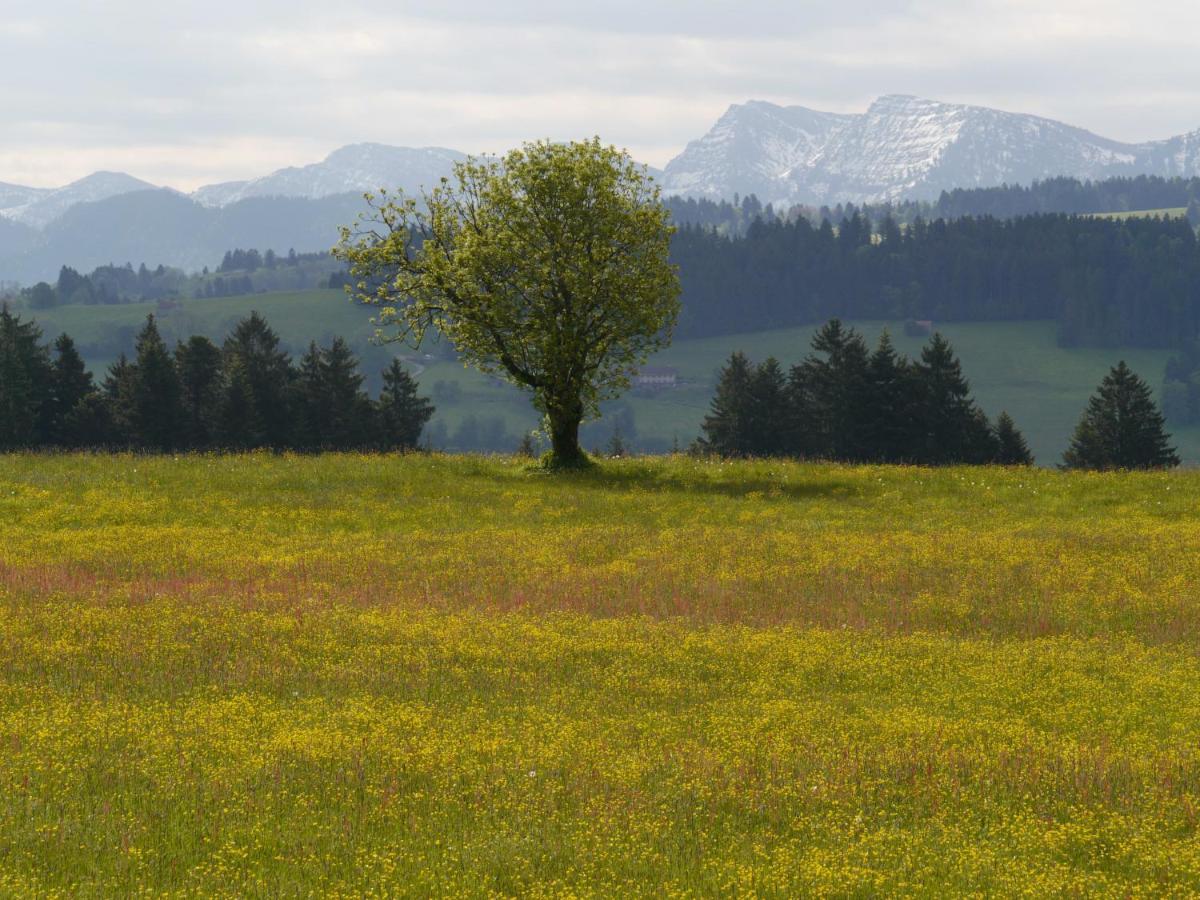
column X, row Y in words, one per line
column 549, row 268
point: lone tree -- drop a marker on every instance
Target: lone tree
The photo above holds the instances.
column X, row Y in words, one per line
column 1121, row 428
column 548, row 268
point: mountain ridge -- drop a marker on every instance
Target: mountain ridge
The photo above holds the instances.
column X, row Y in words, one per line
column 905, row 147
column 900, row 147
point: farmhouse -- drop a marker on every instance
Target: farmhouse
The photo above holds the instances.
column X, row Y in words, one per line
column 918, row 327
column 656, row 377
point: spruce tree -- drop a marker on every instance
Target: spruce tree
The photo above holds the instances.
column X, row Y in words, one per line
column 951, row 428
column 348, row 411
column 308, row 401
column 255, row 411
column 803, row 425
column 333, row 411
column 1012, row 450
column 726, row 427
column 201, row 382
column 403, row 414
column 840, row 390
column 156, row 408
column 767, row 412
column 889, row 403
column 239, row 426
column 25, row 401
column 71, row 385
column 118, row 403
column 1121, row 428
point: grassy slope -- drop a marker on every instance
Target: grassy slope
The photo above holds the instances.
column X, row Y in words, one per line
column 355, row 675
column 1173, row 212
column 1012, row 366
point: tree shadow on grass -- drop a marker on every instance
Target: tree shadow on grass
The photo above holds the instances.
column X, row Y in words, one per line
column 631, row 477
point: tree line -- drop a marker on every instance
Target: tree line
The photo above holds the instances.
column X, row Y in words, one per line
column 1052, row 195
column 1070, row 195
column 242, row 395
column 240, row 273
column 847, row 403
column 1106, row 282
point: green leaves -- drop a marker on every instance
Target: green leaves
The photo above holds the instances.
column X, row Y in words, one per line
column 549, row 268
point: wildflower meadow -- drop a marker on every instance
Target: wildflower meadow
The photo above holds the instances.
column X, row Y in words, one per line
column 366, row 675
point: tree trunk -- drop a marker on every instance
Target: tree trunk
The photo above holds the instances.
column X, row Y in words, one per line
column 564, row 437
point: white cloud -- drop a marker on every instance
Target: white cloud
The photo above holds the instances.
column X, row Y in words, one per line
column 188, row 92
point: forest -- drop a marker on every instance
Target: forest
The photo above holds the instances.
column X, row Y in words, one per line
column 246, row 394
column 1106, row 282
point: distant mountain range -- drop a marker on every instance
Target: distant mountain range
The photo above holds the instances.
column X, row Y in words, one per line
column 901, row 147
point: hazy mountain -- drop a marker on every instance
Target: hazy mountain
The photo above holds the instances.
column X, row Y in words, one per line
column 13, row 195
column 353, row 169
column 902, row 147
column 39, row 207
column 163, row 226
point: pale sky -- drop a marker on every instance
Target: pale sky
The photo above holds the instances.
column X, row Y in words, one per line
column 189, row 92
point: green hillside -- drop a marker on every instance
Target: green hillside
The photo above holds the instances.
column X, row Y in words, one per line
column 1175, row 212
column 1014, row 366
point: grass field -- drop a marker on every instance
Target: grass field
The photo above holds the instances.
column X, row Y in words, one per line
column 1013, row 366
column 1173, row 212
column 384, row 676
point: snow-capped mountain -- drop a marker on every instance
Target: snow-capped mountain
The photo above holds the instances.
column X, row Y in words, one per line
column 755, row 146
column 38, row 207
column 352, row 169
column 902, row 147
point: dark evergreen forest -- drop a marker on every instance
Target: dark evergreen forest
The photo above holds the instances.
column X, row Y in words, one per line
column 1107, row 282
column 245, row 394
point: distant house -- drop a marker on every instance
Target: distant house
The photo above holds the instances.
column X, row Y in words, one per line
column 656, row 377
column 918, row 327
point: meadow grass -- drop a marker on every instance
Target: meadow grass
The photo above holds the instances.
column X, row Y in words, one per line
column 377, row 676
column 1172, row 212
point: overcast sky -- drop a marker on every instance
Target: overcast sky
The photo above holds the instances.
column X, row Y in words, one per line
column 188, row 92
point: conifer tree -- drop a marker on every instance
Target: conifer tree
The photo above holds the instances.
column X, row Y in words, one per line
column 616, row 444
column 951, row 428
column 308, row 401
column 803, row 428
column 239, row 426
column 1121, row 428
column 1012, row 450
column 840, row 389
column 255, row 410
column 766, row 433
column 118, row 401
column 334, row 412
column 889, row 403
column 71, row 385
column 726, row 427
column 155, row 413
column 201, row 382
column 25, row 402
column 526, row 447
column 403, row 414
column 348, row 423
